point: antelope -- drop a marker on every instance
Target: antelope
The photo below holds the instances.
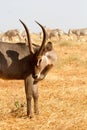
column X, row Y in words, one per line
column 30, row 63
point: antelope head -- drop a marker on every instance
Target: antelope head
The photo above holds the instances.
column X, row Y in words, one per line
column 37, row 58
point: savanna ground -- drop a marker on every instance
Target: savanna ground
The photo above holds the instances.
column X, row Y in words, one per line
column 62, row 94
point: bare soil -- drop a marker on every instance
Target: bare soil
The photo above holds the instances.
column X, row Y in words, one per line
column 62, row 95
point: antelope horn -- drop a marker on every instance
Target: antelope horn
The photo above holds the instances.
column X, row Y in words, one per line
column 43, row 41
column 28, row 37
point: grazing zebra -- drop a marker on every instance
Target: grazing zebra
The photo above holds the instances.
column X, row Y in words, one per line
column 10, row 34
column 78, row 32
column 53, row 33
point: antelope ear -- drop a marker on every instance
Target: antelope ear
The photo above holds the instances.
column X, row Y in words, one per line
column 48, row 47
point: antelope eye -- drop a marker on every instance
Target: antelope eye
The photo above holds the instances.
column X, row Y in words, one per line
column 39, row 61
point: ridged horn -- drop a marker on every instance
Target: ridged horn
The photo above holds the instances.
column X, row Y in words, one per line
column 28, row 37
column 43, row 41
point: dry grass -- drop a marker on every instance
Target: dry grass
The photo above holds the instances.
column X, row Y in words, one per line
column 62, row 95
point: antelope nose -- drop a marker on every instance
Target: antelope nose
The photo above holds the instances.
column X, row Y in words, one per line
column 35, row 76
